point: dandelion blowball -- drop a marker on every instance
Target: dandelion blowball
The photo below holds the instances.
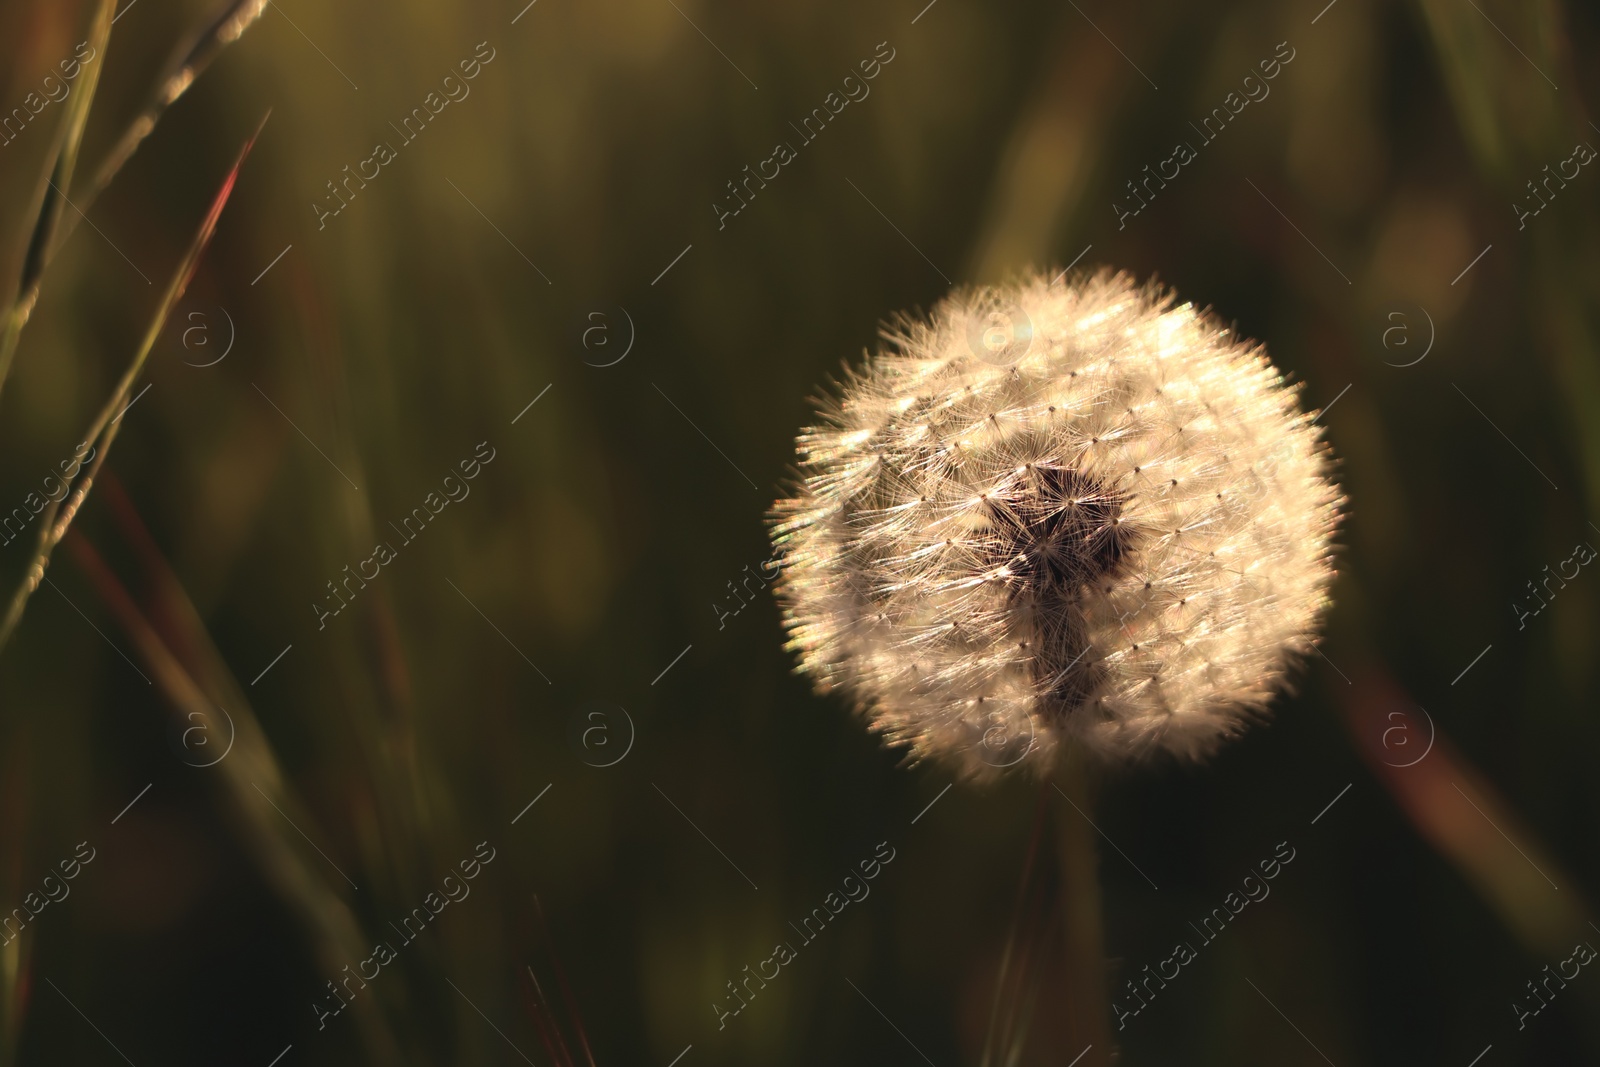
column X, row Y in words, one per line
column 1058, row 510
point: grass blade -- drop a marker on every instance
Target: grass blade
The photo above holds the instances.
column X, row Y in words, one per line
column 17, row 770
column 48, row 227
column 188, row 669
column 1457, row 809
column 103, row 431
column 53, row 228
column 187, row 64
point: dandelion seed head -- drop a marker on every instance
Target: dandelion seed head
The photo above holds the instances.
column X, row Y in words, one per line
column 1058, row 510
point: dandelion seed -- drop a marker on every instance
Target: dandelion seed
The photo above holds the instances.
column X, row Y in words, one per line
column 1058, row 510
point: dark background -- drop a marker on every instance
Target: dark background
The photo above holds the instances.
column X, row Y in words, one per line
column 601, row 538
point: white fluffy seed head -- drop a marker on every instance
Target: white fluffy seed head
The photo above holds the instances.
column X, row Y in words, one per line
column 1058, row 510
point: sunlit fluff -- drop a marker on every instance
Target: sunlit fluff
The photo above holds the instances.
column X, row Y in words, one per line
column 1058, row 510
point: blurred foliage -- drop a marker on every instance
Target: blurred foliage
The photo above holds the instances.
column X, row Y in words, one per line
column 456, row 288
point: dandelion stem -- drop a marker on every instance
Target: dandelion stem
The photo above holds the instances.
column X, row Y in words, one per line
column 1017, row 985
column 1088, row 1010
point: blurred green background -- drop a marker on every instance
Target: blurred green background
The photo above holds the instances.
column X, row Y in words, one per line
column 588, row 573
